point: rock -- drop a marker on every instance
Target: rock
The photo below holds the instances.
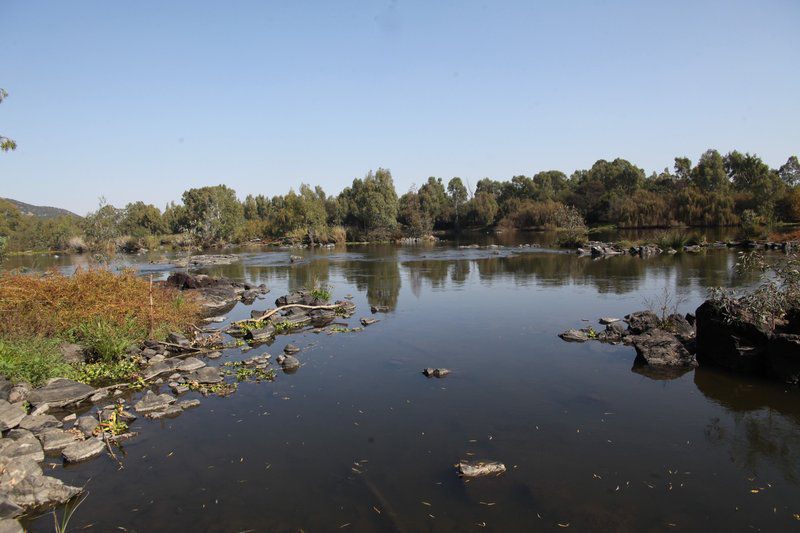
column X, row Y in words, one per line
column 9, row 525
column 179, row 339
column 25, row 447
column 161, row 367
column 19, row 393
column 55, row 439
column 190, row 363
column 679, row 325
column 606, row 320
column 157, row 358
column 205, row 375
column 152, row 402
column 41, row 410
column 600, row 250
column 249, row 296
column 480, row 468
column 170, row 411
column 86, row 425
column 214, row 355
column 290, row 362
column 783, row 358
column 99, row 395
column 379, row 309
column 188, row 404
column 10, row 415
column 72, row 353
column 8, row 509
column 70, row 417
column 574, row 335
column 179, row 388
column 642, row 321
column 368, row 321
column 291, row 349
column 659, row 348
column 38, row 423
column 5, row 388
column 435, row 372
column 60, row 392
column 83, row 450
column 303, row 297
column 730, row 342
column 23, row 483
column 295, row 258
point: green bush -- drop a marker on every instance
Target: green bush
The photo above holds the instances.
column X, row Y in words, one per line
column 106, row 340
column 34, row 360
column 103, row 373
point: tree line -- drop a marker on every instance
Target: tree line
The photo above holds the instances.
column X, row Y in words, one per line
column 719, row 190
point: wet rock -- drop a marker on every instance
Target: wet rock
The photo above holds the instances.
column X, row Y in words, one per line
column 574, row 335
column 10, row 415
column 161, row 367
column 606, row 320
column 190, row 363
column 602, row 250
column 205, row 375
column 289, row 362
column 261, row 334
column 379, row 309
column 23, row 483
column 38, row 423
column 435, row 372
column 472, row 469
column 153, row 402
column 659, row 348
column 368, row 321
column 60, row 392
column 214, row 355
column 642, row 321
column 170, row 411
column 295, row 258
column 291, row 349
column 87, row 425
column 249, row 296
column 188, row 404
column 26, row 446
column 55, row 439
column 83, row 450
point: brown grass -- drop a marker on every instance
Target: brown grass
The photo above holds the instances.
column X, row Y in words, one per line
column 791, row 236
column 54, row 304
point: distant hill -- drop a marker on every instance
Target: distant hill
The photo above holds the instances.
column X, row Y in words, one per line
column 40, row 210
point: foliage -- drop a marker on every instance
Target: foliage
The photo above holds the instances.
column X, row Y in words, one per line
column 6, row 144
column 211, row 214
column 53, row 304
column 102, row 373
column 322, row 292
column 33, row 359
column 107, row 340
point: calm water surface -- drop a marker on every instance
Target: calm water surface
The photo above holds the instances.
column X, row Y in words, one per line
column 359, row 439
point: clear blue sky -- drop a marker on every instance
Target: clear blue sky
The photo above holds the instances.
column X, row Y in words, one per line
column 142, row 100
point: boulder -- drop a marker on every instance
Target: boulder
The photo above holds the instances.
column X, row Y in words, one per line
column 179, row 339
column 642, row 321
column 83, row 450
column 153, row 402
column 26, row 446
column 161, row 367
column 5, row 388
column 289, row 362
column 205, row 375
column 10, row 415
column 38, row 423
column 291, row 349
column 783, row 358
column 660, row 348
column 575, row 335
column 23, row 483
column 730, row 342
column 60, row 392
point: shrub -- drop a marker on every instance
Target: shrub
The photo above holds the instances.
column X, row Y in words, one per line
column 34, row 360
column 106, row 340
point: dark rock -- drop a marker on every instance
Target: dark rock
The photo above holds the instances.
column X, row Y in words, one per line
column 87, row 425
column 642, row 321
column 10, row 415
column 205, row 375
column 435, row 372
column 783, row 358
column 38, row 423
column 368, row 321
column 179, row 339
column 730, row 342
column 60, row 392
column 302, row 296
column 5, row 388
column 679, row 325
column 190, row 363
column 379, row 309
column 291, row 349
column 659, row 348
column 606, row 320
column 290, row 362
column 83, row 450
column 8, row 509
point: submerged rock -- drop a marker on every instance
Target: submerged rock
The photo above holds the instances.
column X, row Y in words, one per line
column 480, row 468
column 368, row 321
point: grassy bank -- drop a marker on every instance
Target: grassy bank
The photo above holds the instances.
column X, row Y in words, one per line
column 103, row 312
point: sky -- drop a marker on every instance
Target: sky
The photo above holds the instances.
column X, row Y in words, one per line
column 143, row 100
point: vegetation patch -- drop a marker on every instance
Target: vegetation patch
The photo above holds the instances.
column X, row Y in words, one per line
column 33, row 359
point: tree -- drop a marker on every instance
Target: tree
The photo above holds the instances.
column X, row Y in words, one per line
column 434, row 201
column 140, row 219
column 483, row 209
column 790, row 172
column 411, row 215
column 102, row 226
column 709, row 175
column 6, row 144
column 213, row 214
column 683, row 168
column 371, row 203
column 458, row 195
column 549, row 184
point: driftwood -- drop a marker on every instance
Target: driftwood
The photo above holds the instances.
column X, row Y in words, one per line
column 271, row 312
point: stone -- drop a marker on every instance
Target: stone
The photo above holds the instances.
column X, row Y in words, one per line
column 41, row 410
column 291, row 349
column 72, row 353
column 205, row 375
column 5, row 388
column 168, row 412
column 574, row 335
column 8, row 509
column 24, row 447
column 38, row 423
column 379, row 309
column 19, row 393
column 179, row 339
column 783, row 358
column 606, row 320
column 60, row 392
column 190, row 363
column 10, row 415
column 23, row 483
column 659, row 348
column 188, row 404
column 153, row 402
column 214, row 355
column 70, row 418
column 9, row 525
column 161, row 367
column 83, row 450
column 728, row 342
column 86, row 425
column 55, row 439
column 295, row 258
column 368, row 321
column 435, row 372
column 642, row 321
column 99, row 395
column 480, row 468
column 290, row 362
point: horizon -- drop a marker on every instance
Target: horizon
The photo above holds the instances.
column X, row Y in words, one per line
column 142, row 103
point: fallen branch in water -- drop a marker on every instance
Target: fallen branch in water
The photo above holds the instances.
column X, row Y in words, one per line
column 271, row 312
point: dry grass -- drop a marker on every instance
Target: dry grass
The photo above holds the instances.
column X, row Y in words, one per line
column 54, row 305
column 790, row 236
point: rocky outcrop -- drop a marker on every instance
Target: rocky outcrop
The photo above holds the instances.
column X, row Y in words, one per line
column 216, row 295
column 783, row 358
column 660, row 348
column 728, row 342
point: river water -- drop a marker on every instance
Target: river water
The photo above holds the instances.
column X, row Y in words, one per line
column 358, row 439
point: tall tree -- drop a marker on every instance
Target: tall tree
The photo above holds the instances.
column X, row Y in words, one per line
column 212, row 213
column 458, row 195
column 709, row 175
column 790, row 172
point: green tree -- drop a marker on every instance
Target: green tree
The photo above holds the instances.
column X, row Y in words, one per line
column 434, row 201
column 103, row 225
column 410, row 214
column 140, row 219
column 213, row 214
column 458, row 195
column 483, row 209
column 683, row 168
column 6, row 144
column 709, row 175
column 790, row 172
column 371, row 203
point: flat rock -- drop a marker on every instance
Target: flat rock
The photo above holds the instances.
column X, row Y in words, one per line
column 9, row 525
column 153, row 402
column 10, row 415
column 38, row 423
column 206, row 375
column 368, row 321
column 574, row 335
column 480, row 468
column 606, row 320
column 8, row 509
column 24, row 485
column 86, row 425
column 83, row 450
column 60, row 392
column 168, row 412
column 659, row 348
column 188, row 404
column 291, row 349
column 190, row 363
column 55, row 439
column 161, row 367
column 26, row 447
